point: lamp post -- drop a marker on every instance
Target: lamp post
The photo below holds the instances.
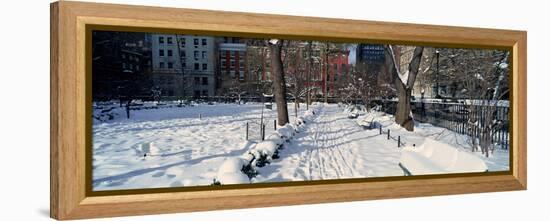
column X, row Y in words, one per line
column 326, row 71
column 310, row 66
column 437, row 74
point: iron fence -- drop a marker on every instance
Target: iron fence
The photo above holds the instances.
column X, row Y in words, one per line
column 455, row 117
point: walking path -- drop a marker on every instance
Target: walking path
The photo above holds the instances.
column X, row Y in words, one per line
column 334, row 147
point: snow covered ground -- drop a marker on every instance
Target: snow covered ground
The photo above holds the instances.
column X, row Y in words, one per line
column 336, row 147
column 171, row 147
column 182, row 150
column 333, row 147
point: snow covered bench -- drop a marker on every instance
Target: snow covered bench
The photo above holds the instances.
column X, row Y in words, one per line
column 434, row 157
column 367, row 122
column 353, row 115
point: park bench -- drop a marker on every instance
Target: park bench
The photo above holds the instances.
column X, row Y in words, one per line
column 353, row 115
column 367, row 122
column 434, row 157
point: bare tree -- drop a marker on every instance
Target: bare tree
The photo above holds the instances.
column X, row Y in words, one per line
column 309, row 71
column 348, row 93
column 480, row 77
column 156, row 93
column 256, row 61
column 365, row 83
column 237, row 90
column 328, row 52
column 486, row 88
column 403, row 83
column 295, row 73
column 326, row 75
column 185, row 84
column 279, row 86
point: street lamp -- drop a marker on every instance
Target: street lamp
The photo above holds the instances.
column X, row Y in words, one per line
column 437, row 74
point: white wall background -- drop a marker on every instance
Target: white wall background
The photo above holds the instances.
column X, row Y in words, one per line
column 24, row 109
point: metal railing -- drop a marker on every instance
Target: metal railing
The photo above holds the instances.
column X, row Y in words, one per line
column 456, row 117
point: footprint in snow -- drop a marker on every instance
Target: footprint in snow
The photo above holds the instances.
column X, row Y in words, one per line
column 158, row 174
column 176, row 184
column 113, row 183
column 170, row 176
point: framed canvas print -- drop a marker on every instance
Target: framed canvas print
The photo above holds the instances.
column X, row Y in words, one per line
column 160, row 110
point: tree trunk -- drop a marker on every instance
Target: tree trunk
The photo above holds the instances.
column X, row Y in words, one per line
column 403, row 115
column 128, row 108
column 279, row 87
column 295, row 109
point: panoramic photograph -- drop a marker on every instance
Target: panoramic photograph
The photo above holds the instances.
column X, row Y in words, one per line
column 181, row 110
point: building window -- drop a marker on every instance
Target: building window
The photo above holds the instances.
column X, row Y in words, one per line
column 161, row 40
column 196, row 41
column 123, row 56
column 204, row 42
column 197, row 93
column 169, row 53
column 204, row 66
column 123, row 65
column 183, row 65
column 204, row 81
column 204, row 93
column 197, row 80
column 169, row 40
column 161, row 64
column 224, row 63
column 203, row 54
column 137, row 67
column 196, row 54
column 241, row 75
column 170, row 65
column 183, row 55
column 131, row 66
column 182, row 42
column 197, row 66
column 161, row 52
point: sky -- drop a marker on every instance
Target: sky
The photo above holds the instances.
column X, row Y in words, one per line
column 352, row 50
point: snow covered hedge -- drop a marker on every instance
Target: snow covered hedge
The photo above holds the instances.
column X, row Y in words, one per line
column 240, row 169
column 230, row 171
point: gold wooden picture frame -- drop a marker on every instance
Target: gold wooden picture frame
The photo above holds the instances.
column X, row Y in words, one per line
column 71, row 196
